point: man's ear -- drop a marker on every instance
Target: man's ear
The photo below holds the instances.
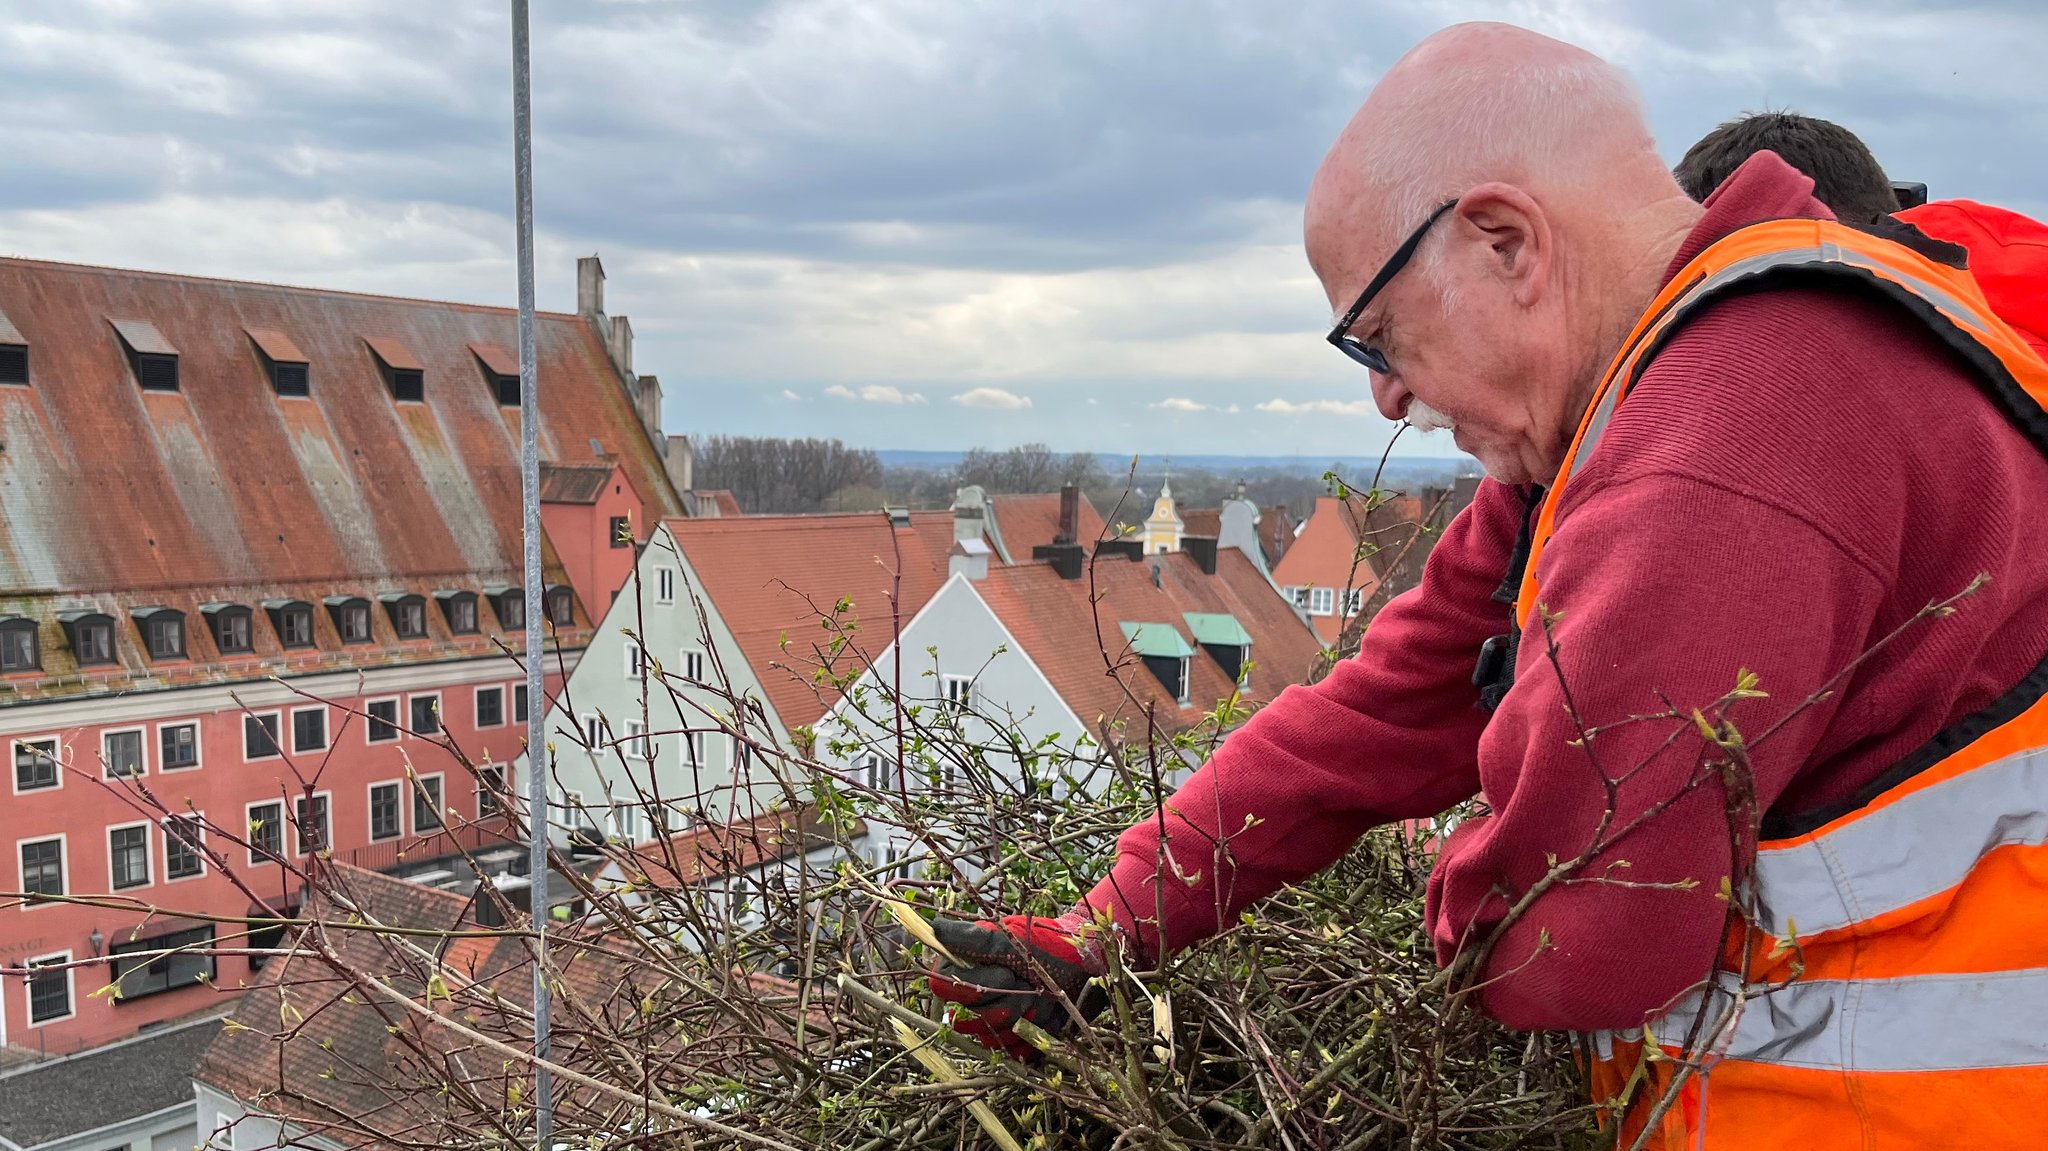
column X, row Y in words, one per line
column 1516, row 233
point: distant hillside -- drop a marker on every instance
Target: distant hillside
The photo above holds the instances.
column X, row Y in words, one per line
column 1400, row 470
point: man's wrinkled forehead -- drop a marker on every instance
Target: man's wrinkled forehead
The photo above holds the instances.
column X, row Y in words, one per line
column 1345, row 232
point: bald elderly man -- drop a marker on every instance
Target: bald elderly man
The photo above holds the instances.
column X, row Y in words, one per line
column 1739, row 445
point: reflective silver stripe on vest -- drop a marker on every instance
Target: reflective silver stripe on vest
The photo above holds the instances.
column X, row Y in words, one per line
column 1918, row 1023
column 1919, row 846
column 1963, row 315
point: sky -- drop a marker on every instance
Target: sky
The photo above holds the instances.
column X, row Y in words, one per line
column 929, row 224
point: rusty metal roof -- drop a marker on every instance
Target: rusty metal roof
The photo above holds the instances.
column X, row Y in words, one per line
column 113, row 497
column 394, row 353
column 277, row 345
column 142, row 336
column 496, row 359
column 564, row 484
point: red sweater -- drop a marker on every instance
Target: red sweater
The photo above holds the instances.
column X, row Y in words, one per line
column 1798, row 473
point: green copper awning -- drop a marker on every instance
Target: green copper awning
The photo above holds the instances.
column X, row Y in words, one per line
column 1157, row 639
column 1217, row 628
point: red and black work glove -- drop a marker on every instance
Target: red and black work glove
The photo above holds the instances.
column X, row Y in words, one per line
column 1012, row 969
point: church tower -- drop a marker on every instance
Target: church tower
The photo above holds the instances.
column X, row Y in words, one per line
column 1164, row 527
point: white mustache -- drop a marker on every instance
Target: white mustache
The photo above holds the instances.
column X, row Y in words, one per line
column 1424, row 418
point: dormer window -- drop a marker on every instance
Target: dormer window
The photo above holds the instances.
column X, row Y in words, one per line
column 459, row 608
column 232, row 627
column 510, row 604
column 501, row 373
column 408, row 614
column 287, row 366
column 351, row 616
column 1225, row 639
column 13, row 354
column 91, row 635
column 293, row 621
column 402, row 371
column 151, row 357
column 1165, row 653
column 561, row 606
column 163, row 631
column 21, row 647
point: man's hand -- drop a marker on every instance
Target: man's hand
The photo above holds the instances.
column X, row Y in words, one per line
column 1013, row 968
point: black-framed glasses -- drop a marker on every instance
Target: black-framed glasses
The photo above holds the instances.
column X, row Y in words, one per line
column 1350, row 345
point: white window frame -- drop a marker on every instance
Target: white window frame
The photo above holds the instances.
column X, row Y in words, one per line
column 198, row 746
column 693, row 664
column 637, row 660
column 1322, row 601
column 417, row 791
column 398, row 720
column 877, row 772
column 592, row 727
column 956, row 692
column 1354, row 599
column 148, row 854
column 696, row 749
column 664, row 585
column 440, row 716
column 639, row 744
column 198, row 822
column 370, row 812
column 141, row 737
column 28, row 997
column 298, row 836
column 326, row 730
column 477, row 705
column 14, row 750
column 284, row 831
column 63, row 840
column 278, row 742
column 504, row 774
column 512, row 693
column 628, row 822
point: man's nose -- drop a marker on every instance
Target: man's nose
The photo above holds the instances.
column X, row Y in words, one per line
column 1391, row 397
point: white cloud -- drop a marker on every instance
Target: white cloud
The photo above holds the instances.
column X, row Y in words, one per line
column 996, row 398
column 792, row 397
column 841, row 392
column 1181, row 404
column 889, row 394
column 1319, row 407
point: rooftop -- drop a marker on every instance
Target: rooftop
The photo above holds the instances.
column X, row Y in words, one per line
column 47, row 1101
column 773, row 577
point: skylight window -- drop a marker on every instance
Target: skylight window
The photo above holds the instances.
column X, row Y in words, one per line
column 13, row 354
column 151, row 357
column 403, row 373
column 287, row 366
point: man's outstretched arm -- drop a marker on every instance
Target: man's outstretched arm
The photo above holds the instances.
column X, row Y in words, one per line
column 1390, row 734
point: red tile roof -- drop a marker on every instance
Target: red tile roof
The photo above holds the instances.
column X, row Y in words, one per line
column 1028, row 521
column 225, row 492
column 713, row 502
column 579, row 484
column 716, row 851
column 1065, row 634
column 771, row 578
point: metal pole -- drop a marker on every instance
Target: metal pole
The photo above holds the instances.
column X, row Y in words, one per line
column 529, row 490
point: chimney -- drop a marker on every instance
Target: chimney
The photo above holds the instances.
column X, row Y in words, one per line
column 1070, row 514
column 969, row 558
column 970, row 513
column 1066, row 559
column 1203, row 549
column 1132, row 550
column 679, row 460
column 618, row 341
column 647, row 402
column 589, row 286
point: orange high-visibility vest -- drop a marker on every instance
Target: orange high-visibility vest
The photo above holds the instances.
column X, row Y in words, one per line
column 1913, row 1011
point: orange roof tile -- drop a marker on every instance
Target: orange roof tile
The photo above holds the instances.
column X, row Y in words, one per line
column 1029, row 521
column 772, row 577
column 1065, row 633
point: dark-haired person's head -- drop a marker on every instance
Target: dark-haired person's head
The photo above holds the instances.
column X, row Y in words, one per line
column 1846, row 177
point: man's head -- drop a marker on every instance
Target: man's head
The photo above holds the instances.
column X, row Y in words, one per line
column 1846, row 177
column 1557, row 221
